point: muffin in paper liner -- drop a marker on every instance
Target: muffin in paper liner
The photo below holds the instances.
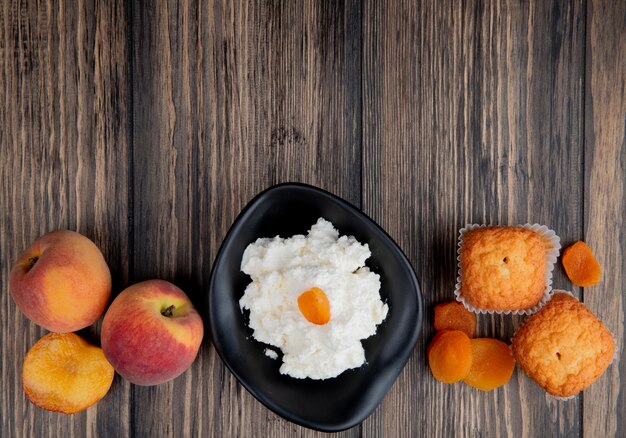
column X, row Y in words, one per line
column 571, row 397
column 552, row 244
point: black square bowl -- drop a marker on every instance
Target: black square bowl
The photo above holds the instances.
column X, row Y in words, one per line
column 327, row 405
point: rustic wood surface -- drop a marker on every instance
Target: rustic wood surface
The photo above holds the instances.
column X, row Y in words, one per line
column 147, row 126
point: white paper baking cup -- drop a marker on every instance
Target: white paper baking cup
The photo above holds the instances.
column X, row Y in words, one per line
column 551, row 241
column 615, row 353
column 571, row 397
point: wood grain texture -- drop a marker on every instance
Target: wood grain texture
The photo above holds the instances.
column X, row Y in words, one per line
column 230, row 98
column 148, row 126
column 472, row 114
column 64, row 148
column 604, row 403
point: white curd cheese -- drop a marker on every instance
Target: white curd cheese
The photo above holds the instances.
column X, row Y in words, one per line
column 271, row 353
column 282, row 269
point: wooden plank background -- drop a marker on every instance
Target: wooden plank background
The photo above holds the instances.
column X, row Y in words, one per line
column 147, row 126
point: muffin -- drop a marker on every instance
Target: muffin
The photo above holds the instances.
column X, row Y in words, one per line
column 563, row 347
column 502, row 268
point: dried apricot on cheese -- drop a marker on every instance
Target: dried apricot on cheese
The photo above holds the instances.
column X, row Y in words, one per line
column 492, row 364
column 64, row 373
column 454, row 316
column 314, row 306
column 581, row 266
column 450, row 356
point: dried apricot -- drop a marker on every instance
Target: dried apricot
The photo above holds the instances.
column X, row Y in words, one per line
column 64, row 373
column 581, row 266
column 450, row 356
column 314, row 305
column 454, row 316
column 492, row 364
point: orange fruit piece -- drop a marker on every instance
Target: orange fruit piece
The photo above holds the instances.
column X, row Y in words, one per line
column 450, row 356
column 314, row 305
column 492, row 364
column 454, row 316
column 580, row 265
column 64, row 373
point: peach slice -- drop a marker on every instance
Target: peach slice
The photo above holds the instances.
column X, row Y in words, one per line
column 64, row 373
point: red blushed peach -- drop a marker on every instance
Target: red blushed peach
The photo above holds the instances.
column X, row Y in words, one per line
column 61, row 282
column 151, row 332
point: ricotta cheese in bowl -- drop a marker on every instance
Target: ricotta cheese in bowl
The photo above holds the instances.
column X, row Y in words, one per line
column 284, row 271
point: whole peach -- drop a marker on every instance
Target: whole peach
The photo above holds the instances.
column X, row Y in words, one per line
column 151, row 332
column 61, row 282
